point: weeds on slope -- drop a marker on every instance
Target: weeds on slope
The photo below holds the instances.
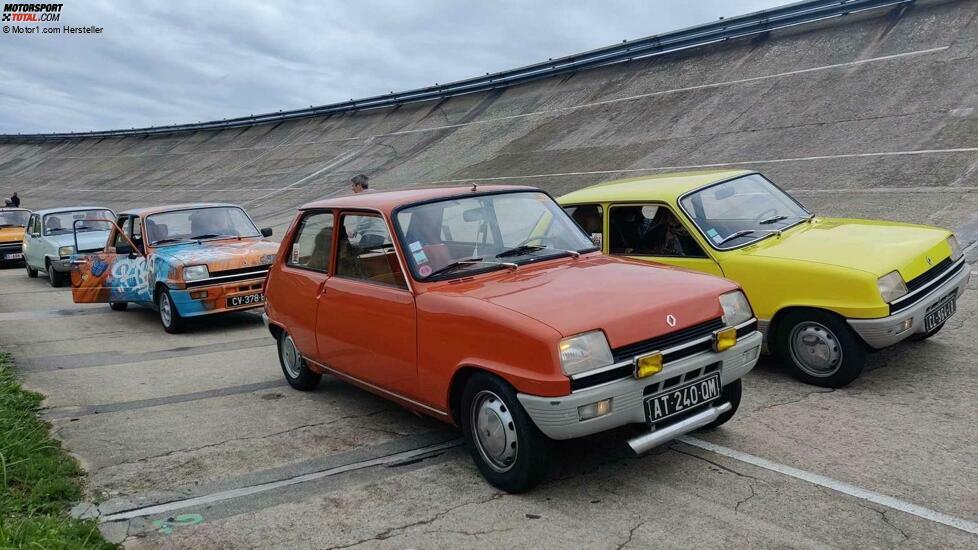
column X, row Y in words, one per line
column 39, row 481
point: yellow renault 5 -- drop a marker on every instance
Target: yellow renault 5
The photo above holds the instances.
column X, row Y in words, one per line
column 824, row 289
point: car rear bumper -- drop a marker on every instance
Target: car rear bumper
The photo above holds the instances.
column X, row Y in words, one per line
column 886, row 331
column 557, row 417
column 205, row 300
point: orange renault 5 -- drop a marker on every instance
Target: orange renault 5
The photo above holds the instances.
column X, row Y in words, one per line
column 489, row 308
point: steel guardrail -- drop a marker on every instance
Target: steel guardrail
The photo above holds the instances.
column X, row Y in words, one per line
column 701, row 35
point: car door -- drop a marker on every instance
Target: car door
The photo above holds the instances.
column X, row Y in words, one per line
column 653, row 232
column 119, row 273
column 33, row 244
column 304, row 271
column 366, row 320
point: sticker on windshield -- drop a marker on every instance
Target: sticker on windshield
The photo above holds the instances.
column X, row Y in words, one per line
column 420, row 257
column 415, row 246
column 424, row 270
column 712, row 233
column 295, row 253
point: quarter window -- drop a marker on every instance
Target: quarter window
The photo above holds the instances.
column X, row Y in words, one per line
column 312, row 247
column 365, row 251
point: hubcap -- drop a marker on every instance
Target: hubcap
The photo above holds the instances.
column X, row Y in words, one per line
column 495, row 433
column 815, row 349
column 166, row 313
column 290, row 358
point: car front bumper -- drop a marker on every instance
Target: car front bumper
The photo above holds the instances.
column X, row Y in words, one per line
column 205, row 300
column 11, row 252
column 886, row 331
column 557, row 417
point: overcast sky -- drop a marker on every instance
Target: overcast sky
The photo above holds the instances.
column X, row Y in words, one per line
column 176, row 61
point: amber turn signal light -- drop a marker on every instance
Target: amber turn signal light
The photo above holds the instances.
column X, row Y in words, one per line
column 724, row 339
column 648, row 364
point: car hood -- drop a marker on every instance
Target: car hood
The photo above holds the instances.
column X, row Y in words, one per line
column 628, row 300
column 11, row 234
column 87, row 240
column 871, row 246
column 221, row 255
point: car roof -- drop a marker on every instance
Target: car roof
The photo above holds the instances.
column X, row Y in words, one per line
column 146, row 211
column 386, row 201
column 47, row 211
column 658, row 187
column 14, row 210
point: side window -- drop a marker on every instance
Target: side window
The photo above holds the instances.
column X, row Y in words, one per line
column 588, row 216
column 650, row 230
column 123, row 223
column 33, row 227
column 312, row 246
column 365, row 251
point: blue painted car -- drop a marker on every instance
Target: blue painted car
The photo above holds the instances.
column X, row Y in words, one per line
column 49, row 240
column 185, row 260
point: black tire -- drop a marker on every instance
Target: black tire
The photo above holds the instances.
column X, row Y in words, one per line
column 169, row 316
column 54, row 278
column 731, row 394
column 294, row 366
column 829, row 341
column 522, row 456
column 921, row 336
column 119, row 306
column 31, row 272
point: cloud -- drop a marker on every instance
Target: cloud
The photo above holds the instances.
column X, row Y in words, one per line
column 182, row 61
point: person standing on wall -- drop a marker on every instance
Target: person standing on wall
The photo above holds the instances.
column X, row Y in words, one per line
column 368, row 231
column 13, row 201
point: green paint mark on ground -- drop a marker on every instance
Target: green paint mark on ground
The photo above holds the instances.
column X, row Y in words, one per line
column 183, row 520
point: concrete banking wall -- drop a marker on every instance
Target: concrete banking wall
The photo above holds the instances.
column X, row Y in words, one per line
column 870, row 115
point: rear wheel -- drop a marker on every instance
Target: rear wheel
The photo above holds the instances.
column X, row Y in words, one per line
column 118, row 306
column 819, row 348
column 509, row 450
column 920, row 336
column 31, row 272
column 169, row 316
column 295, row 368
column 731, row 394
column 56, row 279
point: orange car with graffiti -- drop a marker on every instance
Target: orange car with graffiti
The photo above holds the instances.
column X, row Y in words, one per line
column 184, row 260
column 489, row 308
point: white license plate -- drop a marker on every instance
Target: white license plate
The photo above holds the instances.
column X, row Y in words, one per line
column 246, row 300
column 940, row 312
column 13, row 256
column 676, row 400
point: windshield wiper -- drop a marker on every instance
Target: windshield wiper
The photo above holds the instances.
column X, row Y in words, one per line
column 773, row 219
column 732, row 236
column 520, row 250
column 170, row 240
column 468, row 261
column 212, row 236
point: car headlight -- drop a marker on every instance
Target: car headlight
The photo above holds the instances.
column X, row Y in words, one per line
column 195, row 273
column 66, row 251
column 585, row 352
column 952, row 241
column 891, row 286
column 736, row 308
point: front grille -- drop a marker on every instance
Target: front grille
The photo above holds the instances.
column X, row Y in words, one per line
column 660, row 343
column 670, row 340
column 934, row 277
column 11, row 248
column 232, row 275
column 928, row 275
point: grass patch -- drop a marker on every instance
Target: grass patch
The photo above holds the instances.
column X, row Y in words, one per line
column 39, row 481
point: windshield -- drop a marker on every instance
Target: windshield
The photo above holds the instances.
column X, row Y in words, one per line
column 199, row 224
column 740, row 211
column 14, row 218
column 64, row 222
column 486, row 231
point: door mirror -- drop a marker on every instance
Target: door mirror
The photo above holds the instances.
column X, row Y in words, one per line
column 266, row 232
column 124, row 249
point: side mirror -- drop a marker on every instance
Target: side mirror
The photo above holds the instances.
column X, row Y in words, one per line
column 124, row 249
column 266, row 232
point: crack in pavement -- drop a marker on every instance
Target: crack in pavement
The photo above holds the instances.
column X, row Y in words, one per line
column 718, row 465
column 800, row 399
column 631, row 534
column 886, row 520
column 753, row 493
column 392, row 532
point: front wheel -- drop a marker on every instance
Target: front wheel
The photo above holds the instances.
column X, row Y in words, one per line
column 819, row 348
column 509, row 450
column 295, row 368
column 731, row 394
column 54, row 278
column 169, row 316
column 31, row 272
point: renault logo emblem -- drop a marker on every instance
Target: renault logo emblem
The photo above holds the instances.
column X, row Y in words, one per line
column 670, row 320
column 930, row 261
